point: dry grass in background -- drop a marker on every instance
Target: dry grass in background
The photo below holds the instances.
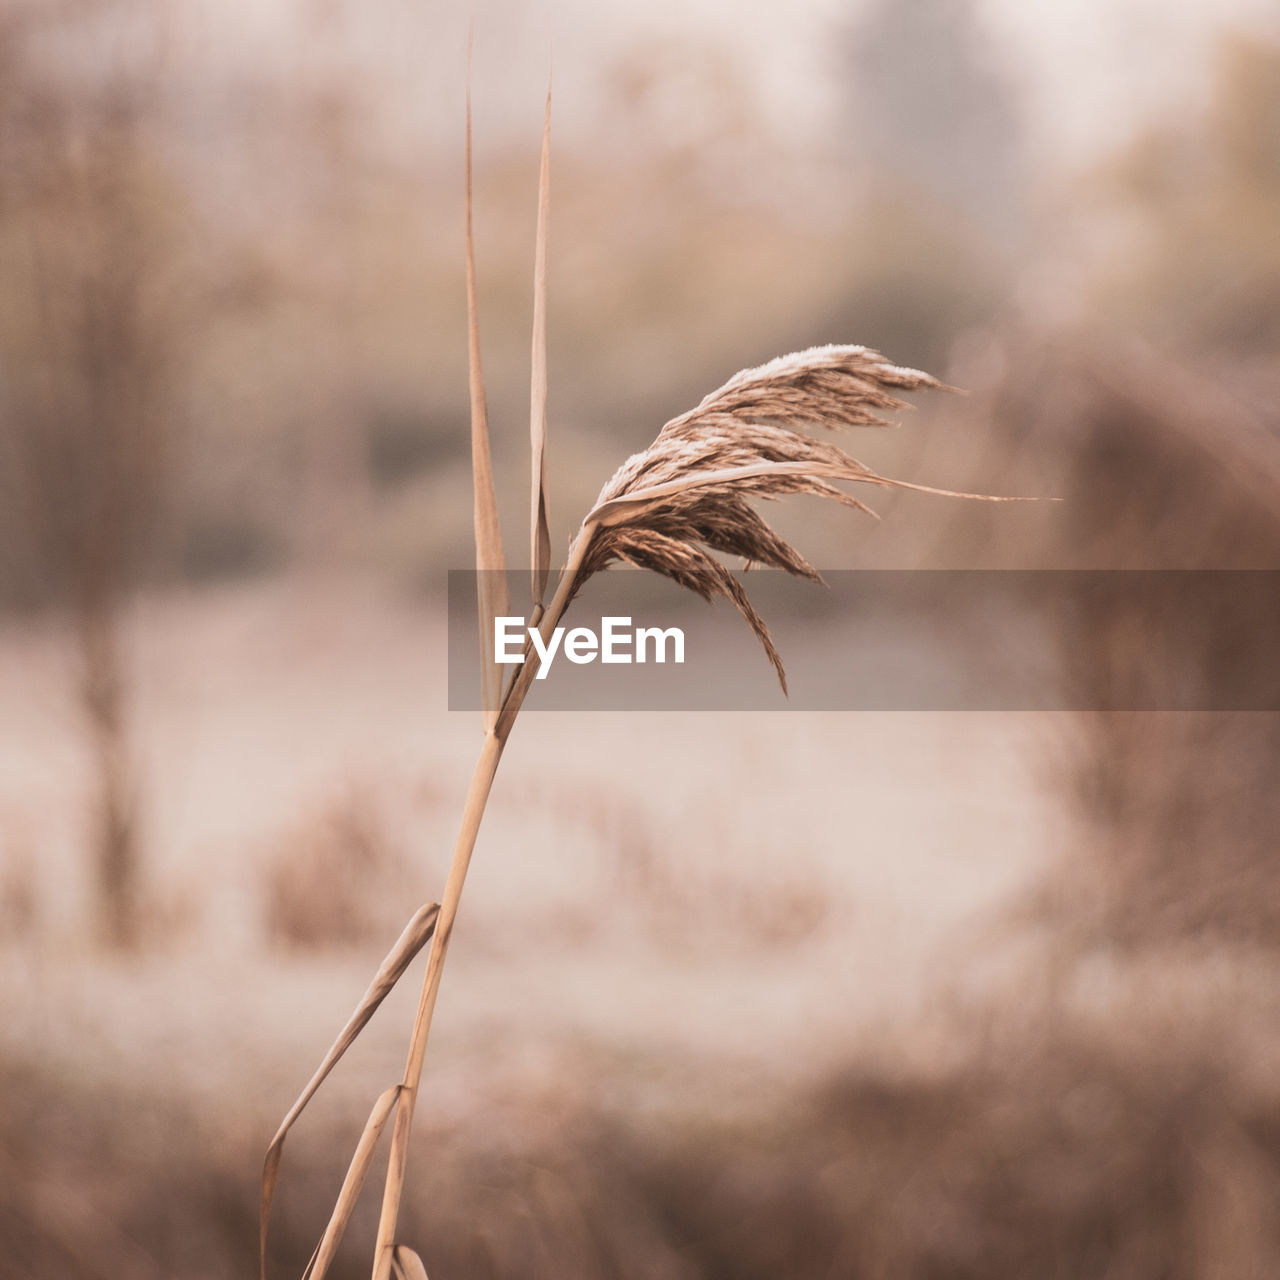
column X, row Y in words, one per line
column 1161, row 467
column 1072, row 1148
column 328, row 878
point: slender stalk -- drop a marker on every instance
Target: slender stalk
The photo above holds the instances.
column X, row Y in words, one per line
column 477, row 795
column 473, row 812
column 548, row 622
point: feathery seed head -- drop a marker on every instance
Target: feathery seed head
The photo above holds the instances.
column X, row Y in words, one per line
column 686, row 496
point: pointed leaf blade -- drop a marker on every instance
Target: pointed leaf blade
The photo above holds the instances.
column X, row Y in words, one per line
column 490, row 562
column 414, row 937
column 539, row 529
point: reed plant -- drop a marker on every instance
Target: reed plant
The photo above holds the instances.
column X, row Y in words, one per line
column 676, row 508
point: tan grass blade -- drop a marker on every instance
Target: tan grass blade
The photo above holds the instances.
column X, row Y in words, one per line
column 539, row 529
column 414, row 937
column 490, row 563
column 352, row 1184
column 406, row 1265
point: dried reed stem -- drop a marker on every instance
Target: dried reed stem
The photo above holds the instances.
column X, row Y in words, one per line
column 473, row 812
column 477, row 795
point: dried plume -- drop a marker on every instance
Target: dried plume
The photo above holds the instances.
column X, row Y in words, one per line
column 687, row 495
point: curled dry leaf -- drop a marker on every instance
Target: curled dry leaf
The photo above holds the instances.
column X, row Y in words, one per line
column 406, row 1265
column 352, row 1184
column 413, row 938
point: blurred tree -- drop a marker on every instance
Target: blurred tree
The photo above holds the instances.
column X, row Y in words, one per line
column 936, row 143
column 1196, row 259
column 934, row 114
column 88, row 343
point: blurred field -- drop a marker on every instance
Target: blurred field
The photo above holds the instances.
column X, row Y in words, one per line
column 634, row 916
column 799, row 1010
column 305, row 794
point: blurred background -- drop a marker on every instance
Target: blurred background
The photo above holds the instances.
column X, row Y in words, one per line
column 882, row 995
